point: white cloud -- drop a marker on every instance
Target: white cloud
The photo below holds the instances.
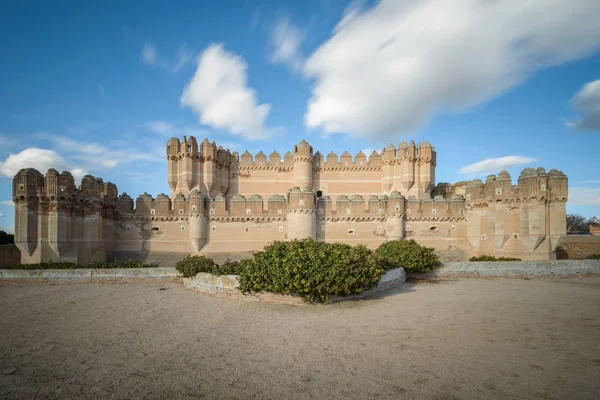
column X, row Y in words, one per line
column 495, row 165
column 184, row 56
column 40, row 159
column 285, row 42
column 387, row 70
column 7, row 203
column 150, row 56
column 2, row 215
column 584, row 196
column 219, row 94
column 587, row 102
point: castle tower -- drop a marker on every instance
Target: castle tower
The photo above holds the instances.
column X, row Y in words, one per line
column 388, row 160
column 27, row 185
column 557, row 194
column 426, row 165
column 404, row 170
column 396, row 204
column 198, row 220
column 209, row 166
column 59, row 221
column 173, row 147
column 301, row 214
column 303, row 158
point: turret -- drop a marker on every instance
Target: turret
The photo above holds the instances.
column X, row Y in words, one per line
column 198, row 220
column 426, row 165
column 209, row 166
column 395, row 215
column 173, row 147
column 301, row 214
column 303, row 158
column 388, row 160
column 27, row 185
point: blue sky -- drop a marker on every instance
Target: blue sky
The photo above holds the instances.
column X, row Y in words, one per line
column 99, row 87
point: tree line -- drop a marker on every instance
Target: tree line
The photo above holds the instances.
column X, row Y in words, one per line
column 580, row 224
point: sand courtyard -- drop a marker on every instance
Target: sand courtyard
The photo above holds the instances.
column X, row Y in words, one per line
column 456, row 339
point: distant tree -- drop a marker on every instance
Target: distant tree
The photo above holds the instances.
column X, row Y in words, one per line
column 594, row 221
column 577, row 223
column 6, row 238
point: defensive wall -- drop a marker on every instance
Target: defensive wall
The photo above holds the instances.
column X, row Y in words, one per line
column 223, row 203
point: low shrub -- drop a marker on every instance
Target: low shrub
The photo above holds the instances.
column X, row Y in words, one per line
column 492, row 258
column 407, row 254
column 594, row 257
column 192, row 265
column 314, row 270
column 96, row 265
column 230, row 268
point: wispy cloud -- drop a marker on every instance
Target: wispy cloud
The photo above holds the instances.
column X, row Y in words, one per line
column 384, row 70
column 587, row 102
column 2, row 215
column 168, row 128
column 285, row 44
column 150, row 56
column 584, row 196
column 493, row 165
column 7, row 203
column 219, row 94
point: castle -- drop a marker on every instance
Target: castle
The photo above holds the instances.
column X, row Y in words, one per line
column 222, row 202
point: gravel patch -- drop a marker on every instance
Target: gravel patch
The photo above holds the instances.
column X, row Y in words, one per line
column 473, row 339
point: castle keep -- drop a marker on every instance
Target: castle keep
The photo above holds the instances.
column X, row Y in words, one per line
column 222, row 202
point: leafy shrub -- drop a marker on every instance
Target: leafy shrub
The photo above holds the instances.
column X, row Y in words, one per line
column 594, row 257
column 492, row 258
column 192, row 265
column 407, row 254
column 314, row 270
column 96, row 265
column 230, row 268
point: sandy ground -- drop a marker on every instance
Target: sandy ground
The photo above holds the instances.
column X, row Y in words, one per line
column 466, row 339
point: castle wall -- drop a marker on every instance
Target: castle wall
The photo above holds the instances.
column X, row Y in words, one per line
column 224, row 203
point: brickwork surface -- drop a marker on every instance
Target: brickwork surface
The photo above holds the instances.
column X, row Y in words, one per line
column 576, row 247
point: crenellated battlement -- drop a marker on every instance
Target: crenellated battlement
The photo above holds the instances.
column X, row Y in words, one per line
column 533, row 184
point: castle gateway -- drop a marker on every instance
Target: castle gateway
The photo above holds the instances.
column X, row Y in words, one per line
column 222, row 202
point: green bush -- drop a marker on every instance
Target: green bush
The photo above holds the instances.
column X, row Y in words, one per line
column 314, row 270
column 407, row 254
column 96, row 265
column 492, row 258
column 192, row 265
column 594, row 257
column 230, row 268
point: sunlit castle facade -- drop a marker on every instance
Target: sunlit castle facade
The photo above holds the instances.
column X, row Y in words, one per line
column 226, row 203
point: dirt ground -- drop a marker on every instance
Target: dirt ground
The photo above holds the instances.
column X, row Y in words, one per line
column 465, row 339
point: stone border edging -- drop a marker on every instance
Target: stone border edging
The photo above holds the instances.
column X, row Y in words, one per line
column 88, row 273
column 514, row 269
column 226, row 286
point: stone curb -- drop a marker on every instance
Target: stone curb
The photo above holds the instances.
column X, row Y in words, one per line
column 88, row 273
column 514, row 269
